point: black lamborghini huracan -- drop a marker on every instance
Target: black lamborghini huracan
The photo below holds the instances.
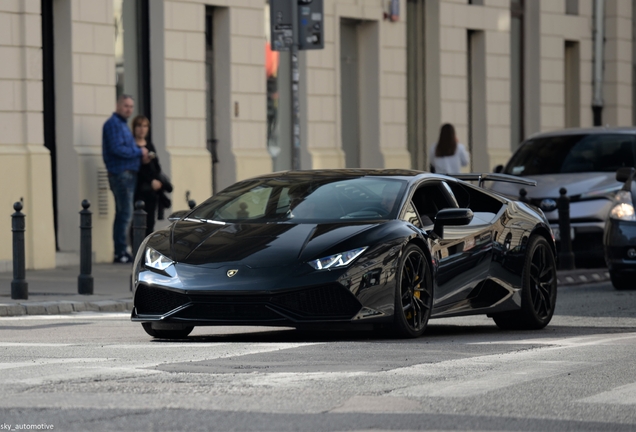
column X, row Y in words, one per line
column 391, row 248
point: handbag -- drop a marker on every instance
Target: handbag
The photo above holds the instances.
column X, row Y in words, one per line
column 165, row 182
column 164, row 201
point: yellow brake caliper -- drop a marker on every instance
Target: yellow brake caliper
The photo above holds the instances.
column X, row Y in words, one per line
column 417, row 295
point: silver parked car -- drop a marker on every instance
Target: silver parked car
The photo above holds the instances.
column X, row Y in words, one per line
column 584, row 161
column 620, row 234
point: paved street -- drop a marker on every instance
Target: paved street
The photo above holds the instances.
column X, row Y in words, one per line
column 99, row 371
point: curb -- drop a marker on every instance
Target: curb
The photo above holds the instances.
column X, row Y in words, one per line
column 63, row 307
column 580, row 277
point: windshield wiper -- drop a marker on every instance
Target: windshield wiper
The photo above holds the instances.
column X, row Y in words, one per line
column 212, row 221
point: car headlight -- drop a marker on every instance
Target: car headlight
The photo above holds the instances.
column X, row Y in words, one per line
column 624, row 209
column 156, row 260
column 337, row 260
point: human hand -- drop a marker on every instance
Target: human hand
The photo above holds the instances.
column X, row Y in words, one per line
column 145, row 156
column 156, row 185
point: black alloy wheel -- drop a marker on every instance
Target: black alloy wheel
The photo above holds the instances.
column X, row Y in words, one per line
column 622, row 281
column 538, row 292
column 178, row 333
column 414, row 293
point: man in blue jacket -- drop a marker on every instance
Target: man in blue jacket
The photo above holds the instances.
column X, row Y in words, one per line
column 122, row 158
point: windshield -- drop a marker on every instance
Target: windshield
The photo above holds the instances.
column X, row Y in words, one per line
column 323, row 200
column 573, row 154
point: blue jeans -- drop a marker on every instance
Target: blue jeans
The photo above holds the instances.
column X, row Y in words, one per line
column 123, row 187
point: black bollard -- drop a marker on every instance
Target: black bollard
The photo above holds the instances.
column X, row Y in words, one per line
column 191, row 203
column 566, row 257
column 139, row 226
column 85, row 280
column 523, row 195
column 19, row 285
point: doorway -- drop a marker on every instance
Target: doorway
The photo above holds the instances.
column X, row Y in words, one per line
column 48, row 90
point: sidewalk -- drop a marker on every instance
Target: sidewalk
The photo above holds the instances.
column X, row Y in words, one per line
column 53, row 292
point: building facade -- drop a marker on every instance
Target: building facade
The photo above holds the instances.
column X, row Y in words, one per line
column 391, row 72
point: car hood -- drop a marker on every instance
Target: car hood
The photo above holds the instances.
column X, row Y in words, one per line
column 548, row 185
column 256, row 244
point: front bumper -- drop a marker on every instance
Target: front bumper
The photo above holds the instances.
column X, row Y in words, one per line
column 324, row 303
column 200, row 296
column 618, row 239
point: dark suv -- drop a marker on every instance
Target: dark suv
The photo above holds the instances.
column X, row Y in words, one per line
column 584, row 161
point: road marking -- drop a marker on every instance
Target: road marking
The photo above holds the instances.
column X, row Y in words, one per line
column 379, row 404
column 32, row 344
column 569, row 342
column 623, row 395
column 493, row 375
column 46, row 362
column 75, row 368
column 71, row 316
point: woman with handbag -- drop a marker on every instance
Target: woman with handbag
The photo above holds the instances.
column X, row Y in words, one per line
column 149, row 177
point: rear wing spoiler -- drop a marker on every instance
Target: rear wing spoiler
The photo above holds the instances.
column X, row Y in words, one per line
column 481, row 178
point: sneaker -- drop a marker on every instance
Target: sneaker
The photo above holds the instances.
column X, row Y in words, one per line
column 124, row 258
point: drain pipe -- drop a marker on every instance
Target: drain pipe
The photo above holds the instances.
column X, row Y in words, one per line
column 599, row 36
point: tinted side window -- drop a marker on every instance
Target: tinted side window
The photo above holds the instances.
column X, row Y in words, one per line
column 473, row 198
column 573, row 154
column 410, row 215
column 431, row 197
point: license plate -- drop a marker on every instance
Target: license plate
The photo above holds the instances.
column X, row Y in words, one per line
column 557, row 234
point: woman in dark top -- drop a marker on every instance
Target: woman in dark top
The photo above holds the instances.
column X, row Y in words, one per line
column 148, row 178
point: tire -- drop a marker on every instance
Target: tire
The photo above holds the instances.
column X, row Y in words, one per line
column 413, row 294
column 167, row 334
column 538, row 291
column 622, row 281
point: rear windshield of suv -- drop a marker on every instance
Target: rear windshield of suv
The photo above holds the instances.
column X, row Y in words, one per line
column 573, row 154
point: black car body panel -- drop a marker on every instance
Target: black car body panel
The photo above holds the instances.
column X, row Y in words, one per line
column 257, row 272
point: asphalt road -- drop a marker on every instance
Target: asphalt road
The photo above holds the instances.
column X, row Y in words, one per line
column 92, row 371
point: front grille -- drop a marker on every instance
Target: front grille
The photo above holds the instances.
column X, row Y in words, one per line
column 324, row 301
column 157, row 301
column 229, row 311
column 331, row 301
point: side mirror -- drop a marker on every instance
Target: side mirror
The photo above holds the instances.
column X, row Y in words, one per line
column 175, row 216
column 451, row 217
column 498, row 168
column 624, row 173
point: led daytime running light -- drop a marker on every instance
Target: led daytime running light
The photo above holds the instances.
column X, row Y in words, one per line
column 338, row 260
column 156, row 260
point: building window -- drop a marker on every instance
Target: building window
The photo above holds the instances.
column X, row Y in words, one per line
column 416, row 83
column 571, row 7
column 572, row 84
column 516, row 73
column 476, row 91
column 634, row 62
column 132, row 52
column 278, row 85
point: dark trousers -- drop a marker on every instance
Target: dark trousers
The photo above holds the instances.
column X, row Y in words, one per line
column 123, row 187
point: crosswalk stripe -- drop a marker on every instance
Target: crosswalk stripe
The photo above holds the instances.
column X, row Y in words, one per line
column 623, row 395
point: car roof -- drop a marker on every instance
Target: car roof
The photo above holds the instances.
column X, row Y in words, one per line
column 601, row 130
column 300, row 175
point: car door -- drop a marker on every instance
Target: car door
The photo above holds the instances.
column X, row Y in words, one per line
column 462, row 255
